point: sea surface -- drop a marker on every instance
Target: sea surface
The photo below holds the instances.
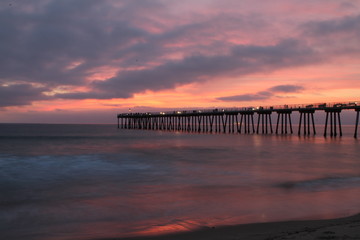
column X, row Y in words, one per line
column 61, row 182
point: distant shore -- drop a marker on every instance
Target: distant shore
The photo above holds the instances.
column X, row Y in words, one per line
column 342, row 228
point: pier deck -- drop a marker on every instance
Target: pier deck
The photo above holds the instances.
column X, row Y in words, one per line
column 241, row 120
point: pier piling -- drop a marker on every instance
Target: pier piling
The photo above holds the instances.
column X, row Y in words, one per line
column 266, row 124
column 285, row 116
column 357, row 121
column 333, row 114
column 307, row 118
column 248, row 118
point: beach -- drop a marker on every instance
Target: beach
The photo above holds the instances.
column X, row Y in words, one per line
column 341, row 228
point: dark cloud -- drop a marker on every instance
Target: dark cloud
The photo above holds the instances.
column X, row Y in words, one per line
column 348, row 24
column 62, row 43
column 40, row 44
column 286, row 88
column 335, row 38
column 247, row 97
column 263, row 95
column 242, row 60
column 20, row 94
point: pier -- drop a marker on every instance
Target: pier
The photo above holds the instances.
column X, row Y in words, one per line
column 242, row 120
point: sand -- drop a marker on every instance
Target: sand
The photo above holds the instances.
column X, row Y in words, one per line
column 343, row 228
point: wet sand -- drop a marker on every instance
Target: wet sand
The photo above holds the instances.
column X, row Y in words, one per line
column 343, row 228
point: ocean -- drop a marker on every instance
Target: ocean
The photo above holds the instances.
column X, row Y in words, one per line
column 62, row 182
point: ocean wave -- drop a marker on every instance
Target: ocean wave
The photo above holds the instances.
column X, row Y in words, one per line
column 320, row 184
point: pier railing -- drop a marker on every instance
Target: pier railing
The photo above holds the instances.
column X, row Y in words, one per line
column 274, row 108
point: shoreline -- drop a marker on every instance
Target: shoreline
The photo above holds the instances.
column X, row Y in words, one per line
column 340, row 228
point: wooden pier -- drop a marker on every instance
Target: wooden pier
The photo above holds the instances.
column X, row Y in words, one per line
column 241, row 120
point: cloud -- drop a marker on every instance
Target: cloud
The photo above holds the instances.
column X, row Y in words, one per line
column 42, row 38
column 348, row 6
column 149, row 45
column 62, row 43
column 347, row 24
column 242, row 60
column 286, row 88
column 20, row 94
column 334, row 38
column 247, row 97
column 263, row 95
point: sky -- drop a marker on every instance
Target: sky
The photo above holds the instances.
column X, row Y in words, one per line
column 84, row 61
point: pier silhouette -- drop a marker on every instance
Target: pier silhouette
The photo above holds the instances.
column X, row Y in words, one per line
column 241, row 120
